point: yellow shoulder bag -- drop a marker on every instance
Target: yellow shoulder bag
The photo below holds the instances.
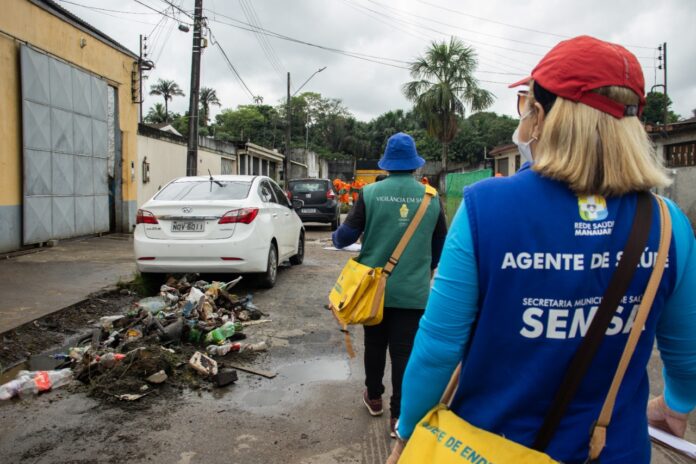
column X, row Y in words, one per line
column 358, row 295
column 443, row 437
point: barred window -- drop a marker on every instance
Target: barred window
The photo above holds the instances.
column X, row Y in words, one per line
column 680, row 155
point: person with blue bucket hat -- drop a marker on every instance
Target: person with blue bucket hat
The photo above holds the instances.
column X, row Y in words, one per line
column 382, row 213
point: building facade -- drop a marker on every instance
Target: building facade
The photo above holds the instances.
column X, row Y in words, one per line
column 68, row 127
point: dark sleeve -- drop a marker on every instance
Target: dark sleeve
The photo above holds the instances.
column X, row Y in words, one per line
column 439, row 235
column 351, row 229
column 356, row 215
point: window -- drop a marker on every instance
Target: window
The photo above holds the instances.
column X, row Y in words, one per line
column 227, row 166
column 265, row 192
column 264, row 167
column 255, row 166
column 243, row 164
column 680, row 155
column 518, row 161
column 307, row 186
column 204, row 190
column 280, row 195
column 501, row 166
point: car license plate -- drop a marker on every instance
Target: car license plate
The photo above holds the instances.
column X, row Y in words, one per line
column 188, row 226
column 308, row 210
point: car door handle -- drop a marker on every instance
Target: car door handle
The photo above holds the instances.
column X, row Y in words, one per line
column 287, row 214
column 275, row 215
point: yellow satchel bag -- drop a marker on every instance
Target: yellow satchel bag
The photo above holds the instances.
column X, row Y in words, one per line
column 442, row 437
column 358, row 295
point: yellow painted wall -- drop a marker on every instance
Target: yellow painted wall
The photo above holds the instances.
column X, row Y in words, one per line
column 369, row 175
column 39, row 28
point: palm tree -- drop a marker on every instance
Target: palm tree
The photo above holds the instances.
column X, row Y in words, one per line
column 168, row 90
column 157, row 114
column 207, row 97
column 443, row 86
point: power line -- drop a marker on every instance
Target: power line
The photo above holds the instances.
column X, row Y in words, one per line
column 361, row 56
column 106, row 9
column 161, row 12
column 562, row 36
column 401, row 11
column 103, row 11
column 229, row 63
column 261, row 39
column 178, row 8
column 394, row 18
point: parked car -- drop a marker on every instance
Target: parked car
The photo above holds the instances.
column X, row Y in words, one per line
column 235, row 224
column 319, row 201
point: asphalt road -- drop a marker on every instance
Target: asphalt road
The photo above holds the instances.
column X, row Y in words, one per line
column 310, row 413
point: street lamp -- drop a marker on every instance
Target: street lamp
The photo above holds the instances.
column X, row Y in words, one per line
column 286, row 161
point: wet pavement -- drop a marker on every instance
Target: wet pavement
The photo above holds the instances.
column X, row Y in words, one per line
column 34, row 284
column 310, row 413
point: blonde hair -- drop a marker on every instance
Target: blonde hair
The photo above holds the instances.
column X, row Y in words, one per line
column 594, row 152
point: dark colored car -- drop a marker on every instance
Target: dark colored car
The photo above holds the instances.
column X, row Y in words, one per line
column 319, row 201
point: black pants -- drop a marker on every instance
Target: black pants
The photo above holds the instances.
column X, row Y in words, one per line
column 396, row 332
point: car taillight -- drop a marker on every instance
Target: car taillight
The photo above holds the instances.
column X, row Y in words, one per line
column 289, row 195
column 145, row 217
column 243, row 215
column 330, row 195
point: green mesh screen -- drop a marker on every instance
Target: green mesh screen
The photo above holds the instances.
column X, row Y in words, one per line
column 455, row 188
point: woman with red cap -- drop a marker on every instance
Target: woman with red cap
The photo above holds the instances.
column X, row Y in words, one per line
column 529, row 259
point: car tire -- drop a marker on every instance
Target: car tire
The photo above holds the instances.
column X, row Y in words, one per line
column 299, row 257
column 336, row 222
column 152, row 281
column 268, row 279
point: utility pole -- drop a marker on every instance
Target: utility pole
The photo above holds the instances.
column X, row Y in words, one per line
column 192, row 149
column 140, row 78
column 664, row 71
column 286, row 161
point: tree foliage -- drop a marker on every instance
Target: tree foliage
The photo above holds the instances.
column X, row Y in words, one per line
column 157, row 114
column 443, row 88
column 654, row 111
column 168, row 89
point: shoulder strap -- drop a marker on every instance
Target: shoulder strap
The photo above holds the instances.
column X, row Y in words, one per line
column 618, row 285
column 599, row 430
column 430, row 192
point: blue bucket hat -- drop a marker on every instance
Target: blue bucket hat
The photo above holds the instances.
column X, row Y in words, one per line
column 400, row 154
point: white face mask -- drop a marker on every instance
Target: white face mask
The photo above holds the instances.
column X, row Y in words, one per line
column 524, row 148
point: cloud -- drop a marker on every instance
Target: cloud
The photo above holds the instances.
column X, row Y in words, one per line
column 399, row 31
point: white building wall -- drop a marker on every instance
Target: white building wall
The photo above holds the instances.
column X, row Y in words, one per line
column 167, row 161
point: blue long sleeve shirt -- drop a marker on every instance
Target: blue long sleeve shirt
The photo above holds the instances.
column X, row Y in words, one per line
column 452, row 308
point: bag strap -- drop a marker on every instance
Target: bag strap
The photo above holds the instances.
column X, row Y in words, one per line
column 618, row 285
column 401, row 246
column 599, row 430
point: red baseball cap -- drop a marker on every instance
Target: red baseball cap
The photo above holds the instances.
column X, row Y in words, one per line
column 575, row 67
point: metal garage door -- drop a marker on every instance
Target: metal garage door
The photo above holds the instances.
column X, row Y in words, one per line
column 64, row 112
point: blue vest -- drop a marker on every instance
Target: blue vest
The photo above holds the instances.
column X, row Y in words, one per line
column 545, row 257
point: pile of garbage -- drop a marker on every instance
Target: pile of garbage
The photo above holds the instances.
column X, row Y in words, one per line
column 169, row 338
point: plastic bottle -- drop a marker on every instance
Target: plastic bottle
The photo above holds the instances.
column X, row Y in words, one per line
column 223, row 332
column 34, row 382
column 222, row 350
column 10, row 389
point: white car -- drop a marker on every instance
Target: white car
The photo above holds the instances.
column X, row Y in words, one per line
column 226, row 224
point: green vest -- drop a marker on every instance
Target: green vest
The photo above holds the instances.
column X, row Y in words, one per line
column 389, row 207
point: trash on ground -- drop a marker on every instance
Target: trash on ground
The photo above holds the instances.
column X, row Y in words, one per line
column 160, row 340
column 30, row 383
column 203, row 364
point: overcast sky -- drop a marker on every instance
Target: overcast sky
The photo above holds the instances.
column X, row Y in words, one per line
column 509, row 38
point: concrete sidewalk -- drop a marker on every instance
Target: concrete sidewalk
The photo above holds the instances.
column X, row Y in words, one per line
column 37, row 284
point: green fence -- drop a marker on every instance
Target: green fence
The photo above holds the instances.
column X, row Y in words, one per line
column 455, row 188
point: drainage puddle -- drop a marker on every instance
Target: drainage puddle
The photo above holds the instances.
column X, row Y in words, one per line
column 321, row 370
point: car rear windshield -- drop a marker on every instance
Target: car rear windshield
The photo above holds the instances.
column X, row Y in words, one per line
column 204, row 190
column 308, row 186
